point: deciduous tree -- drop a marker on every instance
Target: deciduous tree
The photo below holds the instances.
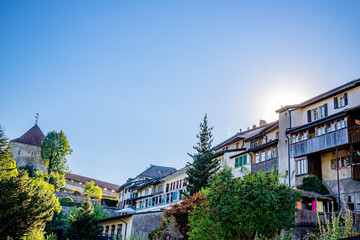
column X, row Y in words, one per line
column 239, row 208
column 54, row 150
column 203, row 165
column 92, row 191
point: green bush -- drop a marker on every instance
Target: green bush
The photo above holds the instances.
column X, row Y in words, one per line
column 76, row 192
column 70, row 204
column 155, row 234
column 109, row 202
column 312, row 183
column 66, row 199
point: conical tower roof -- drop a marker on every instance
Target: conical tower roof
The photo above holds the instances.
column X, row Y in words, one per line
column 32, row 137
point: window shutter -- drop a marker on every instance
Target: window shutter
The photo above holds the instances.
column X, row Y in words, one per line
column 245, row 159
column 309, row 115
column 326, row 109
column 336, row 103
column 346, row 99
column 175, row 196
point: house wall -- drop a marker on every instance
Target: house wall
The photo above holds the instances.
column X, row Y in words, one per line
column 300, row 115
column 329, row 174
column 126, row 228
column 25, row 154
column 70, row 185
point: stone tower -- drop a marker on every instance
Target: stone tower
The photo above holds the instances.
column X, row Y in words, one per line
column 27, row 149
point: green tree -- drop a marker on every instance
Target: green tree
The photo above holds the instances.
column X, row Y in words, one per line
column 241, row 208
column 58, row 180
column 7, row 163
column 82, row 223
column 31, row 170
column 25, row 204
column 54, row 150
column 203, row 165
column 92, row 191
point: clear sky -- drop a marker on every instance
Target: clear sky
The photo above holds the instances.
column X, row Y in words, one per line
column 130, row 81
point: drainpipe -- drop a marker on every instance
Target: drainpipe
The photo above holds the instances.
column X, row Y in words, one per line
column 288, row 145
column 125, row 227
column 337, row 173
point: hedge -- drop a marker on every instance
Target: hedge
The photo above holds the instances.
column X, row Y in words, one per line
column 70, row 204
column 66, row 199
column 109, row 201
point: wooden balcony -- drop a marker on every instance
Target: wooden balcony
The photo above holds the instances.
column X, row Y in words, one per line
column 266, row 165
column 320, row 143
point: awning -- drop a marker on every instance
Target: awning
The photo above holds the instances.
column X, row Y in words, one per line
column 125, row 210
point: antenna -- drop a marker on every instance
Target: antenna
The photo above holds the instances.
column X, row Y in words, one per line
column 36, row 118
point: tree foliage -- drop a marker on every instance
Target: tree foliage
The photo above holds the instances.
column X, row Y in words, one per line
column 54, row 150
column 92, row 191
column 203, row 165
column 314, row 184
column 239, row 208
column 7, row 163
column 82, row 223
column 25, row 204
column 180, row 212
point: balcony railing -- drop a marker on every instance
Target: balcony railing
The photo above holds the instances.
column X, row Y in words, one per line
column 266, row 165
column 319, row 143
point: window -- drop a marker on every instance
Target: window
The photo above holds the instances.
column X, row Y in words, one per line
column 297, row 138
column 315, row 113
column 305, row 135
column 293, row 138
column 302, row 166
column 323, row 130
column 240, row 161
column 275, row 151
column 340, row 101
column 268, row 154
column 263, row 156
column 343, row 123
column 338, row 124
column 322, row 111
column 257, row 160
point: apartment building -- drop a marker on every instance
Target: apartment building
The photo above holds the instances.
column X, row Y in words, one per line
column 321, row 136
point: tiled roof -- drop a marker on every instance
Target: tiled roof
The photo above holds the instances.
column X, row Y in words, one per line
column 32, row 137
column 157, row 171
column 102, row 184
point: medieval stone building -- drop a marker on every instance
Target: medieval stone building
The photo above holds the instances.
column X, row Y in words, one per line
column 27, row 149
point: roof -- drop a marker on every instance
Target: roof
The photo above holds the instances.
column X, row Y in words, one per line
column 102, row 184
column 157, row 171
column 262, row 146
column 127, row 215
column 239, row 136
column 271, row 126
column 229, row 150
column 323, row 96
column 176, row 173
column 34, row 136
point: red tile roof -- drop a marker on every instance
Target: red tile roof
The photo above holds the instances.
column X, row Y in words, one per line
column 102, row 184
column 32, row 137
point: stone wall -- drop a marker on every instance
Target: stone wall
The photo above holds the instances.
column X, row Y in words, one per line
column 25, row 154
column 142, row 224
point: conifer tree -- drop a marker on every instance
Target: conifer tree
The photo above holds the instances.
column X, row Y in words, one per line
column 203, row 165
column 25, row 204
column 7, row 163
column 83, row 223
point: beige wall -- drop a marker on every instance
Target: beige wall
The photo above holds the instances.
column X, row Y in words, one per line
column 116, row 222
column 329, row 174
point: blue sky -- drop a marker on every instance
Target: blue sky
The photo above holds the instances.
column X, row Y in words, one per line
column 130, row 81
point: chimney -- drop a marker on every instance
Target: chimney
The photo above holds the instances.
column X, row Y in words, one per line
column 262, row 122
column 254, row 126
column 240, row 129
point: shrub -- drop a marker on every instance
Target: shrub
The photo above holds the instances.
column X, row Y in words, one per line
column 109, row 202
column 155, row 234
column 76, row 192
column 312, row 183
column 70, row 204
column 66, row 199
column 92, row 191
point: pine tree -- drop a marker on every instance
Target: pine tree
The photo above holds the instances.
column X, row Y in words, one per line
column 203, row 165
column 83, row 224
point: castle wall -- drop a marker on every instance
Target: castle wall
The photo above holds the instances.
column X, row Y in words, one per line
column 25, row 154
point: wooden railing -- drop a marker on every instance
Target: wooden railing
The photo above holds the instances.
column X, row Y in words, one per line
column 319, row 143
column 266, row 165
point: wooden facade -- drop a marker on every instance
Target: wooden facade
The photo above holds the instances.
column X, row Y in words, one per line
column 320, row 143
column 266, row 165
